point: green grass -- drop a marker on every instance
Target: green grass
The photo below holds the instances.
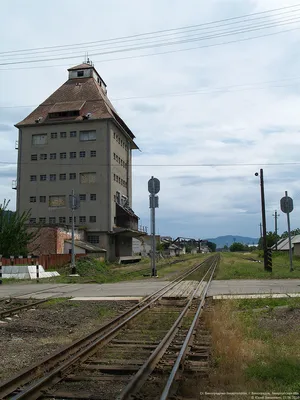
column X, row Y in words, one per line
column 256, row 350
column 270, row 303
column 237, row 266
column 93, row 271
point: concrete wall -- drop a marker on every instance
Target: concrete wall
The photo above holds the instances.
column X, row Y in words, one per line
column 120, row 147
column 296, row 249
column 123, row 246
column 98, row 164
column 68, row 248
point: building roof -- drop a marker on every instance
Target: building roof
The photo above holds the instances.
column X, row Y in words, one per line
column 86, row 95
column 90, row 248
column 283, row 244
column 81, row 66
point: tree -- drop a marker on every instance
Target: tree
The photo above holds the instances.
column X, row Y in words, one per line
column 272, row 238
column 293, row 233
column 14, row 235
column 236, row 246
column 225, row 247
column 212, row 246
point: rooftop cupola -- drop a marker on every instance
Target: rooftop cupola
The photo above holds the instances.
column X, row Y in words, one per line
column 87, row 70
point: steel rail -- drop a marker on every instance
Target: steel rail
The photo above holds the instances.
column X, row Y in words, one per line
column 141, row 376
column 186, row 342
column 6, row 313
column 84, row 345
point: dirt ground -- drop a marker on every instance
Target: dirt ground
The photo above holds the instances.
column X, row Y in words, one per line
column 36, row 333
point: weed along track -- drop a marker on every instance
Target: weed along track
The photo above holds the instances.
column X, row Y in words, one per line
column 125, row 355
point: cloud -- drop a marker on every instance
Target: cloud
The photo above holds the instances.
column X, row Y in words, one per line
column 194, row 143
column 147, row 108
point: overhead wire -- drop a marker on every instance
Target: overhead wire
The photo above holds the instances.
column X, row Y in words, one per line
column 160, row 53
column 272, row 21
column 223, row 89
column 158, row 31
column 158, row 44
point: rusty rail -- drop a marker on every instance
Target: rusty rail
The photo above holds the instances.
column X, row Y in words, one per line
column 61, row 360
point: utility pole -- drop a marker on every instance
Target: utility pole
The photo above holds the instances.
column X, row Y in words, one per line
column 260, row 229
column 73, row 265
column 263, row 217
column 74, row 205
column 275, row 215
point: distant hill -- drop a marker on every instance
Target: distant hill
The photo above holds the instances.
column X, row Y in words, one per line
column 221, row 241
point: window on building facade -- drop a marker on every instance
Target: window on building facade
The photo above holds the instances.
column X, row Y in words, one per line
column 92, row 218
column 88, row 177
column 72, row 175
column 57, row 201
column 32, row 220
column 54, row 135
column 93, row 196
column 39, row 140
column 73, row 134
column 70, row 220
column 62, row 177
column 52, row 177
column 42, row 220
column 63, row 135
column 93, row 239
column 52, row 220
column 52, row 156
column 93, row 153
column 82, row 219
column 72, row 154
column 63, row 155
column 62, row 220
column 32, row 178
column 80, row 73
column 43, row 177
column 86, row 136
column 82, row 154
column 33, row 157
column 43, row 156
column 32, row 199
column 82, row 197
column 42, row 199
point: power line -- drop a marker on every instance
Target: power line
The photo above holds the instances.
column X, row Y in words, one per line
column 223, row 89
column 272, row 21
column 155, row 32
column 161, row 53
column 166, row 165
column 155, row 45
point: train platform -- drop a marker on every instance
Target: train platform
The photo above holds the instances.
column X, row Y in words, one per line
column 139, row 289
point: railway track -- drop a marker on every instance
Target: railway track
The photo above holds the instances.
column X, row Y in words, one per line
column 119, row 359
column 12, row 309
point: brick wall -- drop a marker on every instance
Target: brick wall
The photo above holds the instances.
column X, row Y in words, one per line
column 66, row 234
column 51, row 240
column 45, row 243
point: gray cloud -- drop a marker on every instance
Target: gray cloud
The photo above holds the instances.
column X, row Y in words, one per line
column 147, row 108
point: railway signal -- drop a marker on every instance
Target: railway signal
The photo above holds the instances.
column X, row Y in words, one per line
column 287, row 206
column 153, row 189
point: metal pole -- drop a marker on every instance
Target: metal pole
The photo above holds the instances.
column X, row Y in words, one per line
column 73, row 265
column 276, row 216
column 153, row 237
column 290, row 241
column 0, row 269
column 263, row 215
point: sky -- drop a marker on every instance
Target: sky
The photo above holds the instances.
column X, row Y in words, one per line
column 207, row 114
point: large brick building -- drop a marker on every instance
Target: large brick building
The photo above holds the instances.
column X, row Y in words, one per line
column 75, row 140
